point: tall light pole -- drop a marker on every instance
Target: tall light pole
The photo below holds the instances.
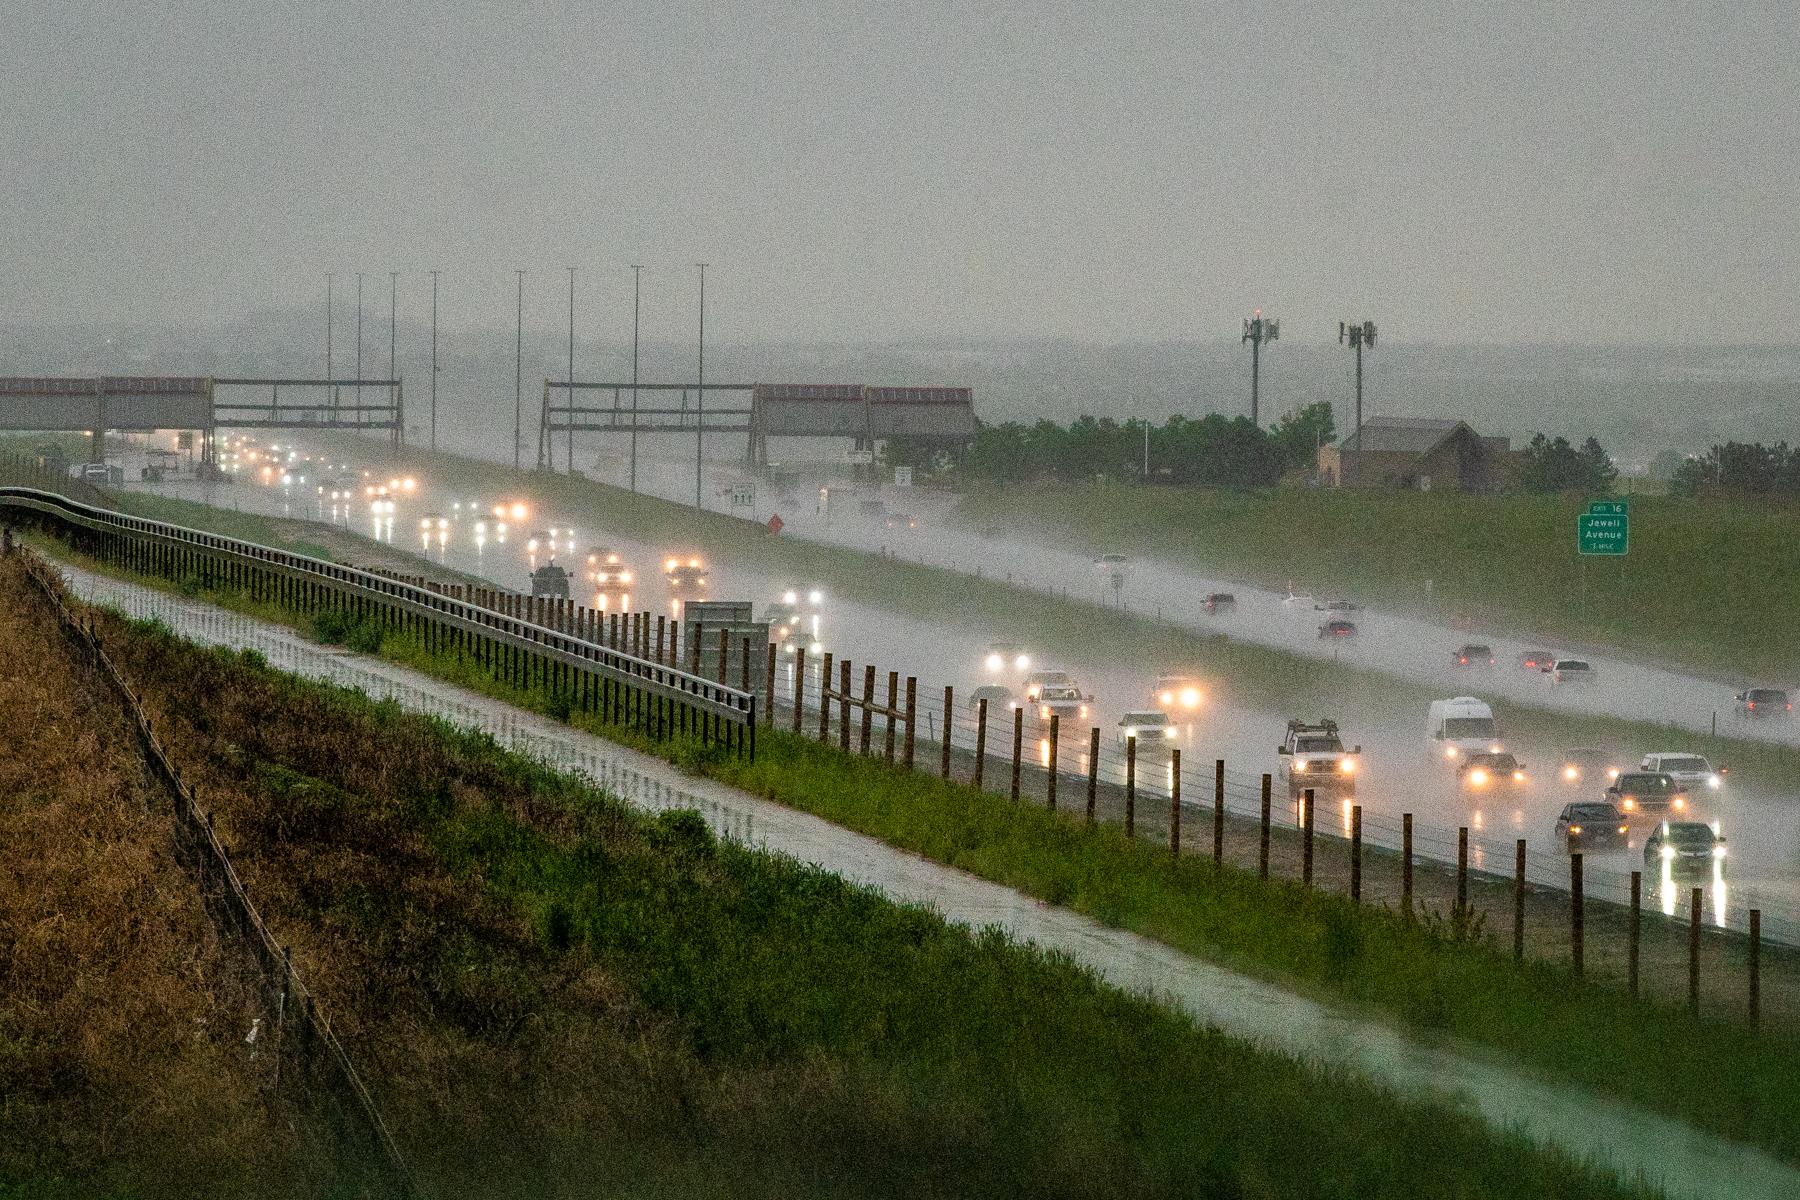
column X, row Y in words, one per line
column 570, row 399
column 1257, row 330
column 434, row 366
column 359, row 276
column 328, row 383
column 393, row 339
column 519, row 374
column 637, row 272
column 1359, row 337
column 700, row 393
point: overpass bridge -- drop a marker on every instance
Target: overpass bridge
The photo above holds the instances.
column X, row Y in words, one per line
column 95, row 404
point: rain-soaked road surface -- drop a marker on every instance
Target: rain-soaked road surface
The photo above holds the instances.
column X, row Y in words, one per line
column 1681, row 1160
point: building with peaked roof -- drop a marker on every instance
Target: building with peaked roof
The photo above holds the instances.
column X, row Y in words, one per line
column 1417, row 452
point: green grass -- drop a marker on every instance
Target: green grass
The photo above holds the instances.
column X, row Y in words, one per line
column 1711, row 585
column 1428, row 979
column 747, row 1025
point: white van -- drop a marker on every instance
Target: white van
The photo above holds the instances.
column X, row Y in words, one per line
column 1462, row 726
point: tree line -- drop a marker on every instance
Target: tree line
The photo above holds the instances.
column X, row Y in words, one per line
column 1747, row 469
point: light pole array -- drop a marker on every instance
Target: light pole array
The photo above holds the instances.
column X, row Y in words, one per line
column 637, row 273
column 359, row 276
column 393, row 338
column 571, row 395
column 519, row 373
column 328, row 383
column 700, row 393
column 1359, row 337
column 434, row 366
column 1257, row 330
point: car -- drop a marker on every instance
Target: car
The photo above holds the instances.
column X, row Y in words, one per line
column 1065, row 702
column 610, row 578
column 1491, row 769
column 1462, row 725
column 794, row 620
column 1037, row 681
column 1586, row 824
column 1536, row 660
column 1684, row 848
column 900, row 520
column 1179, row 693
column 1571, row 671
column 1337, row 628
column 1219, row 602
column 1763, row 702
column 1473, row 654
column 997, row 697
column 1691, row 772
column 550, row 580
column 1637, row 792
column 1313, row 756
column 1005, row 656
column 1151, row 727
column 1584, row 763
column 685, row 575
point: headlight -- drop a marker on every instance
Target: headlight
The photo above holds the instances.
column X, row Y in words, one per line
column 1190, row 697
column 1347, row 766
column 1495, row 748
column 1624, row 828
column 995, row 662
column 1718, row 852
column 1044, row 712
column 1574, row 829
column 1131, row 731
column 1299, row 767
column 1612, row 773
column 1571, row 774
column 1023, row 662
column 624, row 576
column 1712, row 781
column 1667, row 852
column 1449, row 751
column 1478, row 777
column 1680, row 802
column 1518, row 777
column 1628, row 804
column 1168, row 697
column 1169, row 733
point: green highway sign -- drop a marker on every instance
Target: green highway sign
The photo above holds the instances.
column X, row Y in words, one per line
column 1609, row 508
column 1603, row 532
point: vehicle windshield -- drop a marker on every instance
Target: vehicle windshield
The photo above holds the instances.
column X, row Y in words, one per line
column 1061, row 693
column 1767, row 696
column 1317, row 745
column 1145, row 718
column 1686, row 763
column 1475, row 650
column 1645, row 785
column 1495, row 762
column 1469, row 727
column 1689, row 833
column 1593, row 812
column 1572, row 664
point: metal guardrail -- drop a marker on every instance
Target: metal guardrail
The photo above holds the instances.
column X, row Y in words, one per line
column 677, row 699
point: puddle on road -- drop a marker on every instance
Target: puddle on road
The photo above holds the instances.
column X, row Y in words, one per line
column 1681, row 1160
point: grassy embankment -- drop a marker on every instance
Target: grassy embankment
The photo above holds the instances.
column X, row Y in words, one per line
column 124, row 1069
column 1431, row 977
column 554, row 995
column 1711, row 585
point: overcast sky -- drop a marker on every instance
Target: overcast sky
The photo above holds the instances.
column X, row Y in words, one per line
column 1609, row 172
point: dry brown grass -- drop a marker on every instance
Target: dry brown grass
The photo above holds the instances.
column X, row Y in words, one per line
column 123, row 1064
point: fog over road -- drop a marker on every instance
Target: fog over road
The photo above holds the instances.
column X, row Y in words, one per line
column 1400, row 772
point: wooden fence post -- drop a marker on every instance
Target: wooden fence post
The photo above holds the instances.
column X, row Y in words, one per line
column 1050, row 780
column 1131, row 786
column 1694, row 953
column 868, row 710
column 1218, row 812
column 1262, row 854
column 1755, row 968
column 1175, row 803
column 1406, row 857
column 980, row 740
column 887, row 721
column 1577, row 917
column 1018, row 746
column 768, row 683
column 799, row 686
column 912, row 720
column 1356, row 854
column 1632, row 932
column 1519, row 901
column 1461, row 911
column 1306, row 838
column 825, row 699
column 844, row 705
column 949, row 729
column 1093, row 771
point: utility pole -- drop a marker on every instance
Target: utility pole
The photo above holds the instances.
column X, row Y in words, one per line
column 393, row 330
column 1359, row 337
column 359, row 276
column 1257, row 330
column 1146, row 449
column 700, row 393
column 328, row 383
column 637, row 272
column 434, row 366
column 571, row 396
column 519, row 374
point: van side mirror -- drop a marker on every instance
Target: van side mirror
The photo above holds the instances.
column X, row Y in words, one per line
column 1283, row 750
column 1356, row 750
